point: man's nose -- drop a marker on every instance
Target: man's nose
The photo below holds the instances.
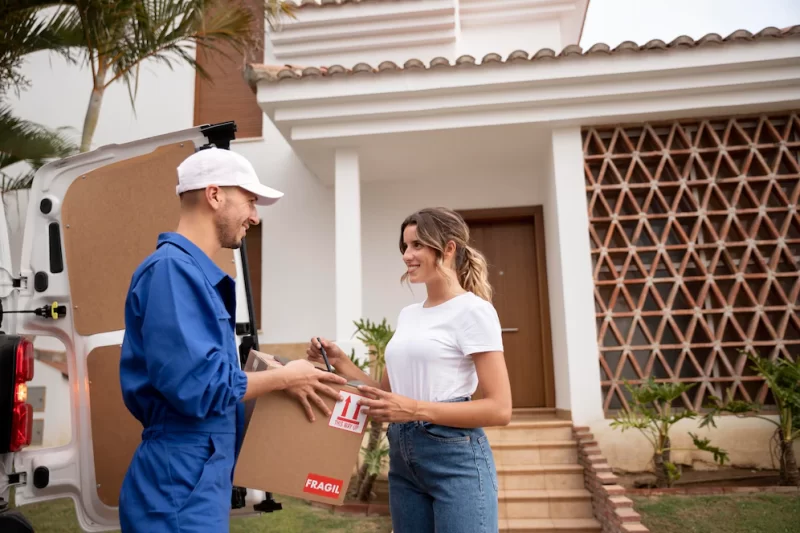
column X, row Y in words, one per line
column 254, row 218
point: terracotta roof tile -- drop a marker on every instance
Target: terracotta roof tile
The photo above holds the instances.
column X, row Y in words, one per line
column 328, row 3
column 275, row 73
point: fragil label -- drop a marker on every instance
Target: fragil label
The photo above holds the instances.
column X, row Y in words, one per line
column 323, row 486
column 348, row 415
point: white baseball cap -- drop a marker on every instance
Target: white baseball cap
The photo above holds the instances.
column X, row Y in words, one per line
column 224, row 168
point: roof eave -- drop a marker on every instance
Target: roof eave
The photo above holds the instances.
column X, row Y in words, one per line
column 575, row 91
column 259, row 73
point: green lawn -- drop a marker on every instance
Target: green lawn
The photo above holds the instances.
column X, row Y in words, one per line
column 746, row 513
column 58, row 516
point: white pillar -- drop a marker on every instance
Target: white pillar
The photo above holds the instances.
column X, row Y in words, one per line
column 574, row 332
column 348, row 243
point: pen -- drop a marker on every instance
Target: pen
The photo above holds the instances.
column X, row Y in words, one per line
column 324, row 355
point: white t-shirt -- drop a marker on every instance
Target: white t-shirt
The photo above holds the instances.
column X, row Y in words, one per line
column 430, row 355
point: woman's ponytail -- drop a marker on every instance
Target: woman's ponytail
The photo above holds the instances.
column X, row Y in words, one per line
column 473, row 273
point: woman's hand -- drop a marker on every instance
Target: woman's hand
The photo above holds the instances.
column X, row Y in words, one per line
column 389, row 407
column 336, row 356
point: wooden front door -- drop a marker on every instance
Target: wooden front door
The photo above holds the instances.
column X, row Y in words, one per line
column 513, row 242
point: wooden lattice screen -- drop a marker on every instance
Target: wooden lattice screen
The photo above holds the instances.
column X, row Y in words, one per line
column 695, row 233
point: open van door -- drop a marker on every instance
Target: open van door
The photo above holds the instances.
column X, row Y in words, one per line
column 91, row 220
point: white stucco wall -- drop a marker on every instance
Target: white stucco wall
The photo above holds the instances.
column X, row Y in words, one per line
column 59, row 93
column 570, row 281
column 374, row 32
column 554, row 282
column 748, row 442
column 298, row 247
column 527, row 35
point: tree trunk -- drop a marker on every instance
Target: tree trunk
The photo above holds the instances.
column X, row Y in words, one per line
column 355, row 488
column 662, row 479
column 790, row 475
column 660, row 462
column 93, row 111
column 365, row 492
column 784, row 478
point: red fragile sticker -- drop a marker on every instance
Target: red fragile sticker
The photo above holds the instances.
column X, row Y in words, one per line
column 323, row 486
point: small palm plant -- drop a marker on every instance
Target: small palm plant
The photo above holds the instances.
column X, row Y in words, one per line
column 360, row 363
column 375, row 337
column 651, row 413
column 374, row 459
column 783, row 379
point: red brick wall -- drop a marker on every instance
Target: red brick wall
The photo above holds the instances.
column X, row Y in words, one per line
column 614, row 511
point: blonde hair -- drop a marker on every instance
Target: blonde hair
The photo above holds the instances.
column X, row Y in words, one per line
column 436, row 226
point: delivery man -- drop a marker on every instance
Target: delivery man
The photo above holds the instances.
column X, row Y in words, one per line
column 179, row 366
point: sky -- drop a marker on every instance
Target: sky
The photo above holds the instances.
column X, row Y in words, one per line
column 615, row 21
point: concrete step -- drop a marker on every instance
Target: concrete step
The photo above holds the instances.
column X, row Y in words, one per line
column 534, row 413
column 553, row 504
column 546, row 525
column 536, row 452
column 540, row 477
column 521, row 431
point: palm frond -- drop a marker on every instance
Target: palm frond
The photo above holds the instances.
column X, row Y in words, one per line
column 25, row 141
column 10, row 183
column 26, row 28
column 276, row 10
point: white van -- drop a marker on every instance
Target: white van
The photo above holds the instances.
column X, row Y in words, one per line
column 91, row 219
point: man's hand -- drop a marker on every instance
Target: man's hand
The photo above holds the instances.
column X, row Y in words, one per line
column 304, row 382
column 389, row 407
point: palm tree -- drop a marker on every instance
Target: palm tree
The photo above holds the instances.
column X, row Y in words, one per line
column 118, row 35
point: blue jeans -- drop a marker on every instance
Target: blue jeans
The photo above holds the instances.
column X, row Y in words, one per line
column 441, row 479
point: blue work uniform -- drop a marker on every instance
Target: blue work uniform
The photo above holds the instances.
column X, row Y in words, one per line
column 181, row 379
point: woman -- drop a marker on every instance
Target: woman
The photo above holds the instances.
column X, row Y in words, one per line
column 442, row 474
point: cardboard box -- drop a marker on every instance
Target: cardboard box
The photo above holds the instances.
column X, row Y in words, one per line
column 285, row 453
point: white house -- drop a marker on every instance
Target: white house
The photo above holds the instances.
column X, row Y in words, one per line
column 637, row 201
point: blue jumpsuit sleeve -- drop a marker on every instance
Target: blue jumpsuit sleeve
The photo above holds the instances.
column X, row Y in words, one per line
column 186, row 359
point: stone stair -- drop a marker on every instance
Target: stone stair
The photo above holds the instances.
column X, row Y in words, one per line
column 541, row 485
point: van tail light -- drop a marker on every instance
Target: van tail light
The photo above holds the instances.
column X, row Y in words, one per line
column 24, row 366
column 21, row 427
column 16, row 370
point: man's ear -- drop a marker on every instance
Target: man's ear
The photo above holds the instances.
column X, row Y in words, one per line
column 214, row 196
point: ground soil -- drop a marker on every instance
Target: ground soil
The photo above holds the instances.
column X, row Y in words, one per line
column 723, row 477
